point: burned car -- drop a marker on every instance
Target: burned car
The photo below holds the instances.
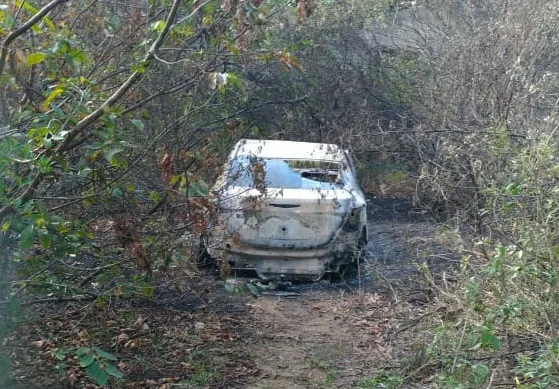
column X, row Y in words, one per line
column 288, row 210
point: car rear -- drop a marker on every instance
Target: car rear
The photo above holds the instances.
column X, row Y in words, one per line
column 285, row 217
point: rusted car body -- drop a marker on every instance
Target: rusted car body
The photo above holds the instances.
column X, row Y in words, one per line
column 288, row 209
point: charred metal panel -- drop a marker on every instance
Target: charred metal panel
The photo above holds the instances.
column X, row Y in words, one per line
column 288, row 209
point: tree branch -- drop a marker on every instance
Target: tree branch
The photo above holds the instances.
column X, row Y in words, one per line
column 121, row 91
column 26, row 26
column 92, row 117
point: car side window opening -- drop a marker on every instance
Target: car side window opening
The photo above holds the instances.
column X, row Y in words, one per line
column 287, row 174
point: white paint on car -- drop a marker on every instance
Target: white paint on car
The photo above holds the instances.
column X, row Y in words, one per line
column 288, row 209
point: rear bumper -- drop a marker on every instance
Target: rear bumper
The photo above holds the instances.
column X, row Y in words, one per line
column 277, row 267
column 273, row 263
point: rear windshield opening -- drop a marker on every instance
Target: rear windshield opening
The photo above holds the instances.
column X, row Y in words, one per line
column 288, row 174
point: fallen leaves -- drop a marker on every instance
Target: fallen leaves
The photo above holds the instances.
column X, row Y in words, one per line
column 155, row 346
column 122, row 339
column 199, row 325
column 41, row 344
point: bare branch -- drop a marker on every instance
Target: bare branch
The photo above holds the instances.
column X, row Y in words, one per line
column 110, row 102
column 120, row 92
column 26, row 26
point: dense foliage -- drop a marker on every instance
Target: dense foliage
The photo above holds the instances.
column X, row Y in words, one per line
column 115, row 115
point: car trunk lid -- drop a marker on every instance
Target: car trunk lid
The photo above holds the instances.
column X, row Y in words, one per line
column 285, row 218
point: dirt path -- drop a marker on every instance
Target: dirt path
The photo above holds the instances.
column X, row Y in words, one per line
column 310, row 342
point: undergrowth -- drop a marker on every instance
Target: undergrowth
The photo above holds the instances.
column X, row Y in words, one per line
column 495, row 322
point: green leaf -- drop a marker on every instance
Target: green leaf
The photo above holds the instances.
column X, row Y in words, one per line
column 26, row 6
column 147, row 290
column 157, row 26
column 35, row 58
column 27, row 237
column 117, row 192
column 87, row 360
column 53, row 95
column 235, row 79
column 49, row 23
column 103, row 354
column 6, row 19
column 253, row 289
column 174, row 179
column 97, row 373
column 512, row 189
column 82, row 350
column 110, row 153
column 153, row 196
column 42, row 208
column 102, row 378
column 114, row 23
column 137, row 123
column 481, row 372
column 44, row 239
column 197, row 189
column 230, row 288
column 60, row 47
column 45, row 164
column 140, row 68
column 60, row 354
column 32, row 10
column 488, row 340
column 112, row 370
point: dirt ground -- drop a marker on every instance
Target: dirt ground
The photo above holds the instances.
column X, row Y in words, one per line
column 340, row 334
column 318, row 340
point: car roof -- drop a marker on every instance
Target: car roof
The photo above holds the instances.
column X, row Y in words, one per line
column 283, row 149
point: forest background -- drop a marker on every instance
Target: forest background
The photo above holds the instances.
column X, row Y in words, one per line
column 115, row 117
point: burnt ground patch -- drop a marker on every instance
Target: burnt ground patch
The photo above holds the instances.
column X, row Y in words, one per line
column 403, row 244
